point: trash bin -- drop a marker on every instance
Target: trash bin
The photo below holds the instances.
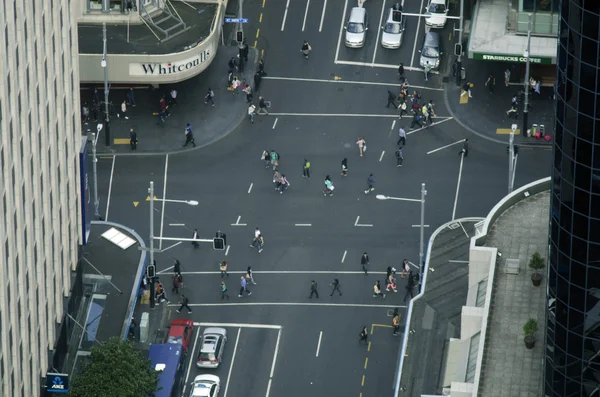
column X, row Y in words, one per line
column 463, row 73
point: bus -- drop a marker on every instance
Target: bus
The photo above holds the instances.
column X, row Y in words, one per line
column 167, row 359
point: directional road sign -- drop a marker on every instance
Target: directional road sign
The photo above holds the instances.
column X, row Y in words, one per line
column 236, row 20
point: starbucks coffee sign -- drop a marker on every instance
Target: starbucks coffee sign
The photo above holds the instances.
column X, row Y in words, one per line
column 512, row 58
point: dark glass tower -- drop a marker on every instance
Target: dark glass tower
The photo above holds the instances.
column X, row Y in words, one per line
column 573, row 319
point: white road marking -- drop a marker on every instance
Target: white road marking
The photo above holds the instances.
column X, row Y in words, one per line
column 444, row 147
column 237, row 223
column 283, row 23
column 162, row 216
column 112, row 171
column 381, row 157
column 434, row 124
column 227, row 250
column 165, row 270
column 275, row 353
column 307, row 80
column 250, row 188
column 383, row 65
column 344, row 256
column 319, row 343
column 413, row 265
column 347, row 272
column 305, row 15
column 357, row 219
column 337, row 50
column 420, row 225
column 361, row 224
column 171, row 246
column 323, row 16
column 462, row 157
column 176, row 224
column 354, row 305
column 275, row 123
column 268, row 388
column 187, row 374
column 303, row 224
column 412, row 59
column 237, row 340
column 378, row 31
column 392, row 128
column 238, row 325
column 455, row 261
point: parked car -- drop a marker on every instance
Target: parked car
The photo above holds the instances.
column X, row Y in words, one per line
column 437, row 11
column 431, row 51
column 393, row 30
column 180, row 332
column 212, row 346
column 205, row 386
column 356, row 30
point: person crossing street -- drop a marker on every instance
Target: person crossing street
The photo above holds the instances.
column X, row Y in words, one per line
column 336, row 287
column 306, row 169
column 244, row 287
column 364, row 262
column 370, row 182
column 224, row 293
column 313, row 289
column 184, row 303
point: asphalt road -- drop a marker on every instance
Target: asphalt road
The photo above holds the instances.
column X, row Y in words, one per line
column 309, row 236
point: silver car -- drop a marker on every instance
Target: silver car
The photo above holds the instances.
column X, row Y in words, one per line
column 356, row 30
column 212, row 346
column 393, row 29
column 431, row 52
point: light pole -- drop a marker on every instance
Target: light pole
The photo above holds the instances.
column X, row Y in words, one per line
column 460, row 33
column 95, row 167
column 104, row 66
column 422, row 234
column 511, row 159
column 527, row 86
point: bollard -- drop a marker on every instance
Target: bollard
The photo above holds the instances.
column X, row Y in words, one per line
column 144, row 327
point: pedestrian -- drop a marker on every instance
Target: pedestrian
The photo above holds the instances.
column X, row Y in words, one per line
column 405, row 268
column 176, row 267
column 255, row 239
column 262, row 106
column 235, row 85
column 416, row 121
column 184, row 303
column 240, row 62
column 133, row 140
column 427, row 69
column 132, row 326
column 245, row 50
column 491, row 82
column 261, row 243
column 284, row 184
column 364, row 262
column 189, row 136
column 336, row 287
column 274, row 160
column 409, row 291
column 261, row 68
column 306, row 169
column 224, row 293
column 391, row 100
column 345, row 167
column 232, row 64
column 362, row 145
column 257, row 80
column 251, row 112
column 467, row 89
column 313, row 289
column 513, row 111
column 399, row 157
column 377, row 290
column 401, row 137
column 364, row 335
column 403, row 108
column 465, row 148
column 306, row 49
column 248, row 91
column 249, row 275
column 195, row 237
column 537, row 88
column 130, row 97
column 401, row 72
column 177, row 279
column 506, row 77
column 370, row 182
column 85, row 113
column 266, row 157
column 123, row 110
column 162, row 118
column 243, row 287
column 209, row 97
column 390, row 282
column 328, row 187
column 161, row 295
column 396, row 322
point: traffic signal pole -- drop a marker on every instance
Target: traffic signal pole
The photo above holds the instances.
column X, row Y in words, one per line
column 151, row 193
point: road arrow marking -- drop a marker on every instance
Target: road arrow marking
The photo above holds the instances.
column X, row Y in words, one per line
column 135, row 203
column 148, row 198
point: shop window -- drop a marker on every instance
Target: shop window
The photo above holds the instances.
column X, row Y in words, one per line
column 540, row 5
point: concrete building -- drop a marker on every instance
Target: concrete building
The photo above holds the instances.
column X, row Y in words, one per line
column 39, row 185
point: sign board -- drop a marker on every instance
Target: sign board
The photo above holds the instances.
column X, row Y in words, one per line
column 236, row 20
column 172, row 68
column 57, row 383
column 86, row 215
column 512, row 58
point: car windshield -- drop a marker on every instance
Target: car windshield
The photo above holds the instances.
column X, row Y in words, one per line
column 175, row 339
column 431, row 52
column 437, row 8
column 392, row 28
column 356, row 27
column 207, row 357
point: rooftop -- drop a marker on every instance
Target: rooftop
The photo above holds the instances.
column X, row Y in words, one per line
column 142, row 40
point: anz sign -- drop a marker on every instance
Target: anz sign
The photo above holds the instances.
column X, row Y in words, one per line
column 57, row 383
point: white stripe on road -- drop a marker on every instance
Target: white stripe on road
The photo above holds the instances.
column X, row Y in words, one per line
column 305, row 15
column 176, row 224
column 275, row 123
column 285, row 15
column 241, row 304
column 237, row 340
column 171, row 246
column 275, row 353
column 303, row 224
column 112, row 171
column 462, row 157
column 165, row 270
column 444, row 147
column 187, row 375
column 268, row 388
column 323, row 16
column 250, row 188
column 319, row 343
column 412, row 59
column 227, row 250
column 384, row 66
column 381, row 157
column 424, row 128
column 307, row 80
column 344, row 256
column 238, row 325
column 361, row 224
column 379, row 30
column 420, row 225
column 337, row 50
column 333, row 272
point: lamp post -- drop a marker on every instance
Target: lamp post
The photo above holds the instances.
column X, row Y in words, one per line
column 460, row 34
column 422, row 234
column 95, row 168
column 527, row 86
column 104, row 66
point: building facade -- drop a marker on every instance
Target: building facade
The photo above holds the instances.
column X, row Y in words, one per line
column 39, row 185
column 572, row 366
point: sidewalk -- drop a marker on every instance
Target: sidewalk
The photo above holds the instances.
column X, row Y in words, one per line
column 210, row 123
column 485, row 114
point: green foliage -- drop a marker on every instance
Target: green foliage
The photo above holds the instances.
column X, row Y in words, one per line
column 115, row 369
column 530, row 327
column 537, row 262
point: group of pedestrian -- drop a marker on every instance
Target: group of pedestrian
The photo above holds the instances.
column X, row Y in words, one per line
column 165, row 106
column 244, row 281
column 252, row 109
column 281, row 182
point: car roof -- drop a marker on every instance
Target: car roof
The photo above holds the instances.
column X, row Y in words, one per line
column 215, row 330
column 357, row 14
column 209, row 343
column 432, row 39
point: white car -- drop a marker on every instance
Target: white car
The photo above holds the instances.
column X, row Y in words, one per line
column 437, row 11
column 205, row 386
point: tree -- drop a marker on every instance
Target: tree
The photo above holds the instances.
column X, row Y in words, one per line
column 115, row 368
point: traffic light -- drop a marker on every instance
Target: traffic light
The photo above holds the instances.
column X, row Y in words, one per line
column 516, row 150
column 239, row 36
column 151, row 271
column 457, row 49
column 219, row 243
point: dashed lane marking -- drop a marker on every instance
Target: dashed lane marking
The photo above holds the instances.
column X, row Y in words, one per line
column 250, row 188
column 344, row 256
column 238, row 325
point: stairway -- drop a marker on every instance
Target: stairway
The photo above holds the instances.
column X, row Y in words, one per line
column 164, row 19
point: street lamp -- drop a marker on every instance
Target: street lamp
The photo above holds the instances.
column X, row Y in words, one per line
column 95, row 167
column 526, row 55
column 422, row 237
column 104, row 66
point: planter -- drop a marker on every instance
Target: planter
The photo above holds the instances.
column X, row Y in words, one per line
column 529, row 342
column 536, row 279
